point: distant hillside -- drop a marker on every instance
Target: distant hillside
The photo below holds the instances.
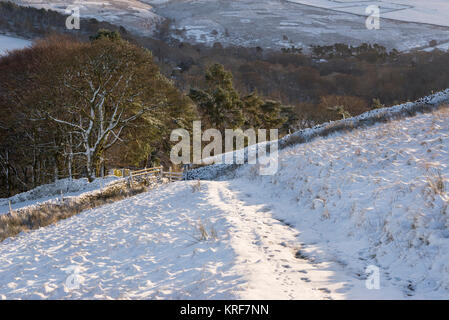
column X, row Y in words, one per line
column 29, row 22
column 132, row 14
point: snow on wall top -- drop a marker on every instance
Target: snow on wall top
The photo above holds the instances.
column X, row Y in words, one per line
column 424, row 104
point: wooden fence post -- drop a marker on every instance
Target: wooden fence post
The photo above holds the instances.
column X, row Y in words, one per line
column 185, row 170
column 10, row 208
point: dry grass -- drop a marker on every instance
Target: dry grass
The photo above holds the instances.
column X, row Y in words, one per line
column 49, row 213
column 204, row 234
column 435, row 182
column 196, row 187
column 443, row 112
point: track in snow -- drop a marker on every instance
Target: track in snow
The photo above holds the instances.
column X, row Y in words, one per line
column 270, row 256
column 145, row 248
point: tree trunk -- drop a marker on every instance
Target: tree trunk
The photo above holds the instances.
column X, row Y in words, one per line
column 90, row 167
column 8, row 187
column 33, row 171
column 70, row 159
column 56, row 173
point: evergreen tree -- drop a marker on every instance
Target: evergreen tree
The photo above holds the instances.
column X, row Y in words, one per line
column 219, row 104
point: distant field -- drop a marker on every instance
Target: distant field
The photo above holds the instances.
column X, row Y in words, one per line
column 10, row 43
column 281, row 23
column 430, row 11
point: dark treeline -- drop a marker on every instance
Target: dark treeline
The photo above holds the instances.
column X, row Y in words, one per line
column 42, row 89
column 313, row 84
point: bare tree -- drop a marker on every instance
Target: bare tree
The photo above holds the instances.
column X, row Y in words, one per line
column 101, row 93
column 100, row 128
column 69, row 107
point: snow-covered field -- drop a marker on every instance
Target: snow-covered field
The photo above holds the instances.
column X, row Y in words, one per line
column 142, row 247
column 274, row 23
column 374, row 196
column 8, row 43
column 442, row 47
column 428, row 11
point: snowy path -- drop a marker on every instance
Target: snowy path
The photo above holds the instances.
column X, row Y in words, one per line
column 147, row 247
column 266, row 250
column 270, row 256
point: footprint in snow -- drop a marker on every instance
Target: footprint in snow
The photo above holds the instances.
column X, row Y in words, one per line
column 325, row 290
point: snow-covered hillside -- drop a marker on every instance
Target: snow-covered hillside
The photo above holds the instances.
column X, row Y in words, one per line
column 374, row 196
column 177, row 242
column 429, row 11
column 405, row 24
column 135, row 15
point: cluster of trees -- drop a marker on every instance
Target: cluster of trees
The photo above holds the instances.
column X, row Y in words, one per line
column 303, row 81
column 68, row 106
column 72, row 108
column 222, row 107
column 366, row 51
